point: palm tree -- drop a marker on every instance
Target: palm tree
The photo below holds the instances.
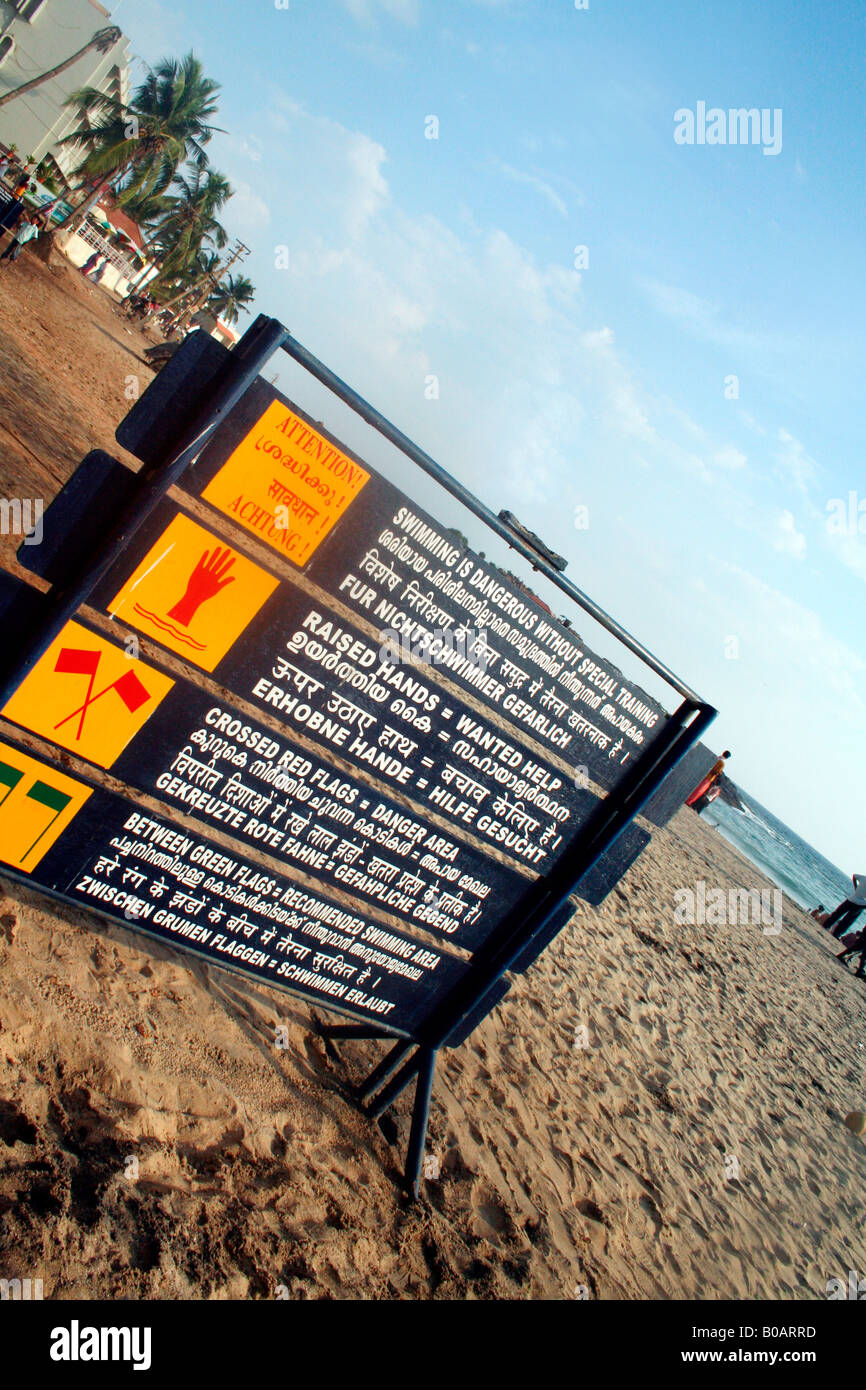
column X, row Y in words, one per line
column 189, row 223
column 232, row 295
column 192, row 284
column 103, row 41
column 140, row 147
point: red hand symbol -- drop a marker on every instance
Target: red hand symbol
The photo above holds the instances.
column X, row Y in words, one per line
column 209, row 576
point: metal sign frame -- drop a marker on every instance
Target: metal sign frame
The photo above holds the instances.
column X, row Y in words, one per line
column 531, row 924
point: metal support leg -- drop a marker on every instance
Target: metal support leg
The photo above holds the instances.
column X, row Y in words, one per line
column 420, row 1117
column 394, row 1087
column 352, row 1030
column 380, row 1074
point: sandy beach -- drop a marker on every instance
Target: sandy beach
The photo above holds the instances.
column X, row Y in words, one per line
column 656, row 1111
column 602, row 1170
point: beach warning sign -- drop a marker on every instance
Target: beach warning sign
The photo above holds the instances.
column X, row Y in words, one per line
column 36, row 805
column 87, row 695
column 192, row 593
column 378, row 784
column 286, row 483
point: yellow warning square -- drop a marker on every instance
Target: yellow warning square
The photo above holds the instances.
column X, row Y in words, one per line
column 286, row 483
column 36, row 804
column 87, row 695
column 193, row 593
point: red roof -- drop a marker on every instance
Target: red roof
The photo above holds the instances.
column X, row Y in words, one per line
column 123, row 223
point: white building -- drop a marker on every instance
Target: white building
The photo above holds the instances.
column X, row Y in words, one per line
column 36, row 35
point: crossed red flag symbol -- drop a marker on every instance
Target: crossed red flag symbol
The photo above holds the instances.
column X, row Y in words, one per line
column 74, row 661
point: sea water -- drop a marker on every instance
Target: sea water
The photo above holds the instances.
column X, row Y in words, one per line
column 792, row 864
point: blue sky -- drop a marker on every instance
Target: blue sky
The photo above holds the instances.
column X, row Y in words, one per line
column 608, row 386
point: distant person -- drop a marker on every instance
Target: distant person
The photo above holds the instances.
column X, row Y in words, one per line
column 91, row 263
column 712, row 776
column 20, row 188
column 25, row 231
column 10, row 213
column 855, row 945
column 706, row 800
column 5, row 161
column 818, row 913
column 846, row 914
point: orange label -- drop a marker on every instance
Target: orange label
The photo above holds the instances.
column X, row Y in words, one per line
column 87, row 695
column 36, row 804
column 193, row 593
column 286, row 483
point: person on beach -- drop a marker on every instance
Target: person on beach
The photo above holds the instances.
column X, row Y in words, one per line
column 712, row 776
column 857, row 943
column 849, row 909
column 25, row 231
column 10, row 213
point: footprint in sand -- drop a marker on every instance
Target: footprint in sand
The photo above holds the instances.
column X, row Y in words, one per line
column 647, row 1204
column 597, row 1229
column 589, row 1208
column 490, row 1218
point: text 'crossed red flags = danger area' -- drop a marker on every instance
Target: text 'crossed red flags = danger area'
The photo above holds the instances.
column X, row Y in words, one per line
column 36, row 804
column 286, row 483
column 87, row 695
column 193, row 593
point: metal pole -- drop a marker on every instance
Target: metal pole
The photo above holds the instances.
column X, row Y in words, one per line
column 420, row 1117
column 352, row 1030
column 397, row 1084
column 147, row 488
column 380, row 1074
column 401, row 441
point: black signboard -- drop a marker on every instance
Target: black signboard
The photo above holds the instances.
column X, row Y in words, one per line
column 398, row 745
column 415, row 580
column 157, row 876
column 228, row 771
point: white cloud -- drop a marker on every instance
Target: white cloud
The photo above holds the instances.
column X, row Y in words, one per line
column 729, row 457
column 704, row 320
column 250, row 214
column 849, row 546
column 794, row 464
column 799, row 648
column 340, row 172
column 367, row 11
column 544, row 189
column 365, row 158
column 787, row 539
column 751, row 423
column 251, row 148
column 156, row 29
